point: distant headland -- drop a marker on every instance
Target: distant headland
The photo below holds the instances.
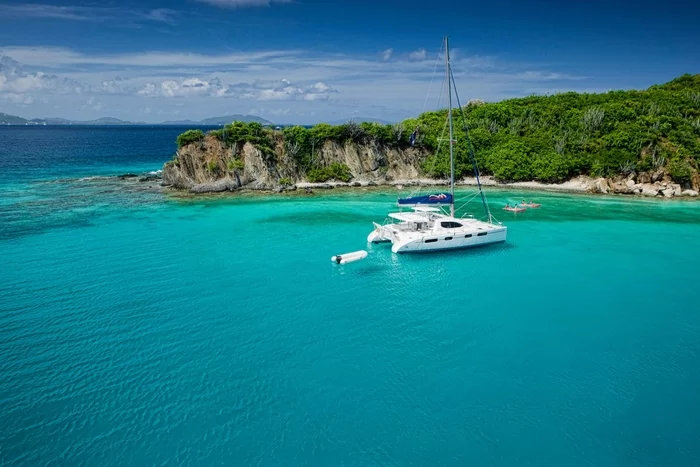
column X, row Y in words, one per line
column 631, row 142
column 6, row 119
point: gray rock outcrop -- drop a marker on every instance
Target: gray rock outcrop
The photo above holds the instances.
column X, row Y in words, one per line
column 211, row 166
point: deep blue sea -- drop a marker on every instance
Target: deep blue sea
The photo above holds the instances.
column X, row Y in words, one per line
column 142, row 328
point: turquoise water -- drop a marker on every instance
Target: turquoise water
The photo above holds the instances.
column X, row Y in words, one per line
column 141, row 328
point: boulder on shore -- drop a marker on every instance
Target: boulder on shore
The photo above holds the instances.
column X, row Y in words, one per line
column 668, row 192
column 649, row 190
column 692, row 193
column 622, row 188
column 218, row 186
column 643, row 178
column 600, row 186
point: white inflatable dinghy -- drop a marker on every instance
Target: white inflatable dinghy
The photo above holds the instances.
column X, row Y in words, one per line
column 349, row 257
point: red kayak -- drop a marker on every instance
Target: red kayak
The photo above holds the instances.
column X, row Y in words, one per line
column 512, row 209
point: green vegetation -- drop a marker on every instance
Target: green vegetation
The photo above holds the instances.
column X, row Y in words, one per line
column 284, row 181
column 681, row 172
column 213, row 166
column 545, row 138
column 239, row 132
column 235, row 165
column 302, row 144
column 335, row 171
column 552, row 138
column 188, row 137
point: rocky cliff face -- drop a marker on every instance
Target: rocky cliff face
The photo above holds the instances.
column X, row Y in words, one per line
column 209, row 166
column 373, row 162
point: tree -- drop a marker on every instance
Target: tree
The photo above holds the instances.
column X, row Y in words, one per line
column 188, row 137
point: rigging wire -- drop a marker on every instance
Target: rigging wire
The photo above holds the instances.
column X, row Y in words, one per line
column 425, row 105
column 437, row 61
column 444, row 127
column 474, row 195
column 470, row 150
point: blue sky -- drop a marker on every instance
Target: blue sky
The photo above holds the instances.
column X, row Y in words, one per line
column 304, row 61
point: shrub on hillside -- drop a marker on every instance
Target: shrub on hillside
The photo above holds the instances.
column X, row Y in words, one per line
column 550, row 167
column 680, row 172
column 511, row 162
column 335, row 171
column 188, row 137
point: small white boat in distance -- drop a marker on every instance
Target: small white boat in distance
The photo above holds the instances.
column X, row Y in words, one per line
column 428, row 228
column 349, row 257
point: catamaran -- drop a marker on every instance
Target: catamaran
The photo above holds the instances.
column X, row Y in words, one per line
column 429, row 227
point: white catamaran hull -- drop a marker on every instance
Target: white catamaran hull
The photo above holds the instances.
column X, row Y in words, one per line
column 425, row 231
column 379, row 234
column 444, row 242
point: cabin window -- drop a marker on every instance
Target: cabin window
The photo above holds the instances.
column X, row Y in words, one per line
column 450, row 225
column 448, row 238
column 481, row 234
column 431, row 240
column 468, row 236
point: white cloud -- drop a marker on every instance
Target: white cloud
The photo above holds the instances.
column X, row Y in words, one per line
column 57, row 57
column 242, row 3
column 21, row 100
column 261, row 90
column 545, row 76
column 164, row 15
column 183, row 88
column 115, row 86
column 14, row 79
column 418, row 55
column 86, row 13
column 197, row 86
column 93, row 104
column 386, row 54
column 279, row 90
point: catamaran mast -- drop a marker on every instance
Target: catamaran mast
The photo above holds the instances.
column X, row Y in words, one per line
column 449, row 117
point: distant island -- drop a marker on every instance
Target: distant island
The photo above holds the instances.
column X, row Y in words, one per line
column 359, row 120
column 6, row 119
column 630, row 142
column 220, row 120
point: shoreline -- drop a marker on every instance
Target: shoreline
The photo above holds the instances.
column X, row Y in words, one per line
column 581, row 185
column 577, row 185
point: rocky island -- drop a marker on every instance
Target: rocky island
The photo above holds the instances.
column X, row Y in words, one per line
column 628, row 142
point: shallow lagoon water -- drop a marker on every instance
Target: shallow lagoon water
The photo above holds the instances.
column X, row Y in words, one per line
column 142, row 328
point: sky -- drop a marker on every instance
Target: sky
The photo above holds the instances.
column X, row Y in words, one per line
column 306, row 61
